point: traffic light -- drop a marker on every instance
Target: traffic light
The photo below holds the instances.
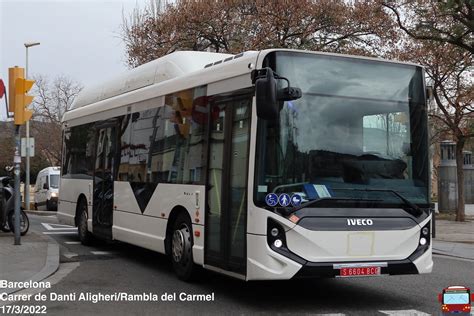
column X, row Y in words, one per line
column 22, row 100
column 13, row 74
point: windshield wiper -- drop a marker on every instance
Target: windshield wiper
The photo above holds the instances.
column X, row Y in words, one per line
column 412, row 208
column 287, row 210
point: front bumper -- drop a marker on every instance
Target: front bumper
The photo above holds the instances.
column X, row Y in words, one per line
column 327, row 270
column 278, row 261
column 52, row 203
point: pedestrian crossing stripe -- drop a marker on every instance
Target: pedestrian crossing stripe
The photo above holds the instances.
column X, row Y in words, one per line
column 99, row 253
column 56, row 227
column 60, row 233
column 408, row 312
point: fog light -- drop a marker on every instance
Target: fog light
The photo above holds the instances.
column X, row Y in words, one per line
column 422, row 241
column 278, row 243
column 425, row 231
column 274, row 232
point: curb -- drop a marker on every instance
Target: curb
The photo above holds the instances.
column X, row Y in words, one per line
column 50, row 267
column 448, row 254
column 40, row 213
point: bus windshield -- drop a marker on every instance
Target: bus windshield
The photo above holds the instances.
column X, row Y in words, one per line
column 456, row 298
column 361, row 125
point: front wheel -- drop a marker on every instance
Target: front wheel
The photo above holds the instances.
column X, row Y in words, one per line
column 181, row 249
column 84, row 235
column 24, row 222
column 5, row 228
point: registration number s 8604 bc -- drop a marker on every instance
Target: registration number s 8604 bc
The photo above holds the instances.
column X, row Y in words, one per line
column 359, row 271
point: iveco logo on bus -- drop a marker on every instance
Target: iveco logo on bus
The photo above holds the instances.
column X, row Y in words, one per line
column 359, row 222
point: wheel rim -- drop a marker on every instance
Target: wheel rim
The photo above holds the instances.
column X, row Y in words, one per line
column 181, row 244
column 23, row 222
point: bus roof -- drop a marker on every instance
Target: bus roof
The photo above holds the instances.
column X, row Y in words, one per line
column 456, row 287
column 166, row 72
column 165, row 68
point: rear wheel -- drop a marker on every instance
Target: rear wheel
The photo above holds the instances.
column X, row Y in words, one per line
column 24, row 222
column 181, row 248
column 84, row 235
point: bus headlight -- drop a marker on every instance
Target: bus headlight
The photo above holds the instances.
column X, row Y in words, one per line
column 424, row 238
column 425, row 231
column 276, row 236
column 276, row 240
column 274, row 232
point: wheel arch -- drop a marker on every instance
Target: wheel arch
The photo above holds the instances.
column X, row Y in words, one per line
column 177, row 210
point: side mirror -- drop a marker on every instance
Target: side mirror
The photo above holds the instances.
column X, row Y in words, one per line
column 46, row 186
column 289, row 93
column 266, row 95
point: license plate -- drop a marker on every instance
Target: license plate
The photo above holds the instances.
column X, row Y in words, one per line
column 359, row 271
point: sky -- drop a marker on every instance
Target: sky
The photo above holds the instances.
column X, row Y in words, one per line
column 79, row 39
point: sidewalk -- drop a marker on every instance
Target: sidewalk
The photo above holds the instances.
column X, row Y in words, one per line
column 35, row 259
column 455, row 238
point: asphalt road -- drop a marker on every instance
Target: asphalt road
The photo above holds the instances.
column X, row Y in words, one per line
column 118, row 267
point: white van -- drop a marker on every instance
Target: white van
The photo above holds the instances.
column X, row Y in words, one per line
column 47, row 189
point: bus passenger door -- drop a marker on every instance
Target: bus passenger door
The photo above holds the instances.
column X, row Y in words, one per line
column 103, row 191
column 226, row 216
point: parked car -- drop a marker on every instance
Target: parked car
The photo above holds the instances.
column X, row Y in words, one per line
column 47, row 189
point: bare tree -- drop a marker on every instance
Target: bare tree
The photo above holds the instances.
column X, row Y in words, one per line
column 437, row 21
column 440, row 37
column 52, row 100
column 236, row 26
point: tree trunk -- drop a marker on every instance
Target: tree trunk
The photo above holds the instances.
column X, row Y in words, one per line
column 460, row 178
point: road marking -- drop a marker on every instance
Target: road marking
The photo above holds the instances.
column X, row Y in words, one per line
column 69, row 255
column 408, row 312
column 60, row 233
column 72, row 242
column 57, row 226
column 100, row 253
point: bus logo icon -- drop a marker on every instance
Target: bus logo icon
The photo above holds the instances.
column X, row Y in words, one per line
column 296, row 200
column 456, row 300
column 284, row 200
column 271, row 199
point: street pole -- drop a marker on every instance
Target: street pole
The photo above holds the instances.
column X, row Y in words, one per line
column 27, row 151
column 16, row 170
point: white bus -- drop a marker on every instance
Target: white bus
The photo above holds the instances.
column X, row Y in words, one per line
column 216, row 161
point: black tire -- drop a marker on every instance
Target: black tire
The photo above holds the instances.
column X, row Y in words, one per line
column 5, row 228
column 24, row 222
column 84, row 235
column 181, row 245
column 48, row 206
